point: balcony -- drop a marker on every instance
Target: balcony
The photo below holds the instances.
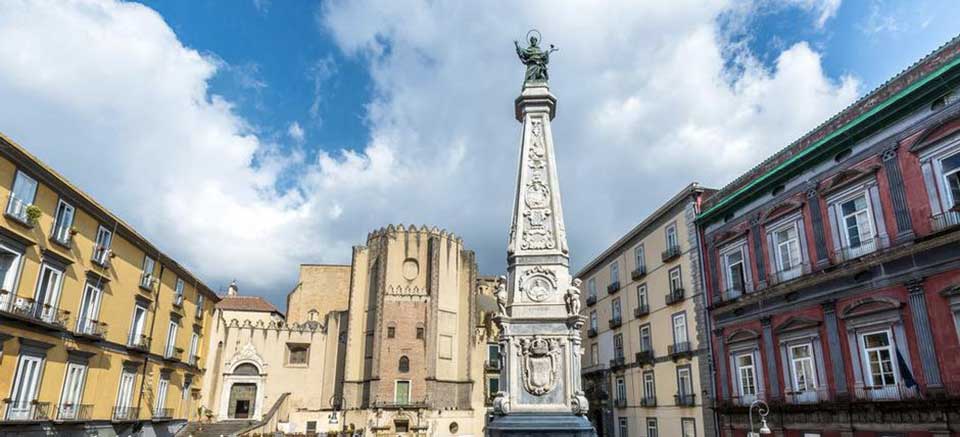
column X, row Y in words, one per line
column 162, row 413
column 173, row 354
column 613, row 288
column 91, row 329
column 894, row 392
column 680, row 349
column 685, row 399
column 615, row 322
column 73, row 412
column 810, row 396
column 592, row 332
column 101, row 256
column 28, row 310
column 27, row 411
column 17, row 210
column 947, row 220
column 122, row 414
column 591, row 300
column 641, row 311
column 671, row 253
column 639, row 273
column 618, row 362
column 674, row 296
column 645, row 356
column 178, row 302
column 63, row 236
column 138, row 342
column 648, row 401
column 861, row 248
column 194, row 361
column 620, row 403
column 146, row 282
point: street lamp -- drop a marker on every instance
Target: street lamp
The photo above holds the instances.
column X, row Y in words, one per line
column 762, row 410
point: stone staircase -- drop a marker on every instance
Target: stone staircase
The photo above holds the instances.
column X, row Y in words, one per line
column 215, row 429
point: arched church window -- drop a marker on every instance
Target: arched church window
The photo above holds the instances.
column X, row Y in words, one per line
column 246, row 369
column 404, row 364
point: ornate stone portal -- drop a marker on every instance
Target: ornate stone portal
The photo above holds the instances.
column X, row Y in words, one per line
column 539, row 323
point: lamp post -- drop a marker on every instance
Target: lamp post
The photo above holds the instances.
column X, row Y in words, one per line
column 762, row 410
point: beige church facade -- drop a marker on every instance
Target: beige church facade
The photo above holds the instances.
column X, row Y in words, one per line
column 398, row 342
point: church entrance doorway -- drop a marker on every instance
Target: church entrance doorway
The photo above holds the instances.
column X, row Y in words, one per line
column 242, row 400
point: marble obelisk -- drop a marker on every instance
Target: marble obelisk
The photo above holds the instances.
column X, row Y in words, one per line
column 539, row 304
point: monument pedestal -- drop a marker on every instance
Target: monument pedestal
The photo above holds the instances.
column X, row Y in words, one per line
column 541, row 424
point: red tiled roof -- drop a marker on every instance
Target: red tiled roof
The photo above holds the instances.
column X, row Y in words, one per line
column 246, row 303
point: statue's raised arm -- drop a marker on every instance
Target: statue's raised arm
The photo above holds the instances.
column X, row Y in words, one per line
column 534, row 58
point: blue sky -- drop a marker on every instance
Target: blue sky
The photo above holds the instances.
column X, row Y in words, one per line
column 271, row 133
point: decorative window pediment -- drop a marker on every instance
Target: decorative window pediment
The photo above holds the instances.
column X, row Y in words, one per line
column 797, row 324
column 742, row 335
column 868, row 306
column 849, row 176
column 782, row 209
column 951, row 291
column 937, row 132
column 729, row 235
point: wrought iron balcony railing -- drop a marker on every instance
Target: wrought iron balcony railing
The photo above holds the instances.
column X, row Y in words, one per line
column 685, row 399
column 641, row 310
column 30, row 310
column 947, row 220
column 613, row 288
column 491, row 365
column 648, row 401
column 674, row 296
column 645, row 356
column 17, row 210
column 792, row 273
column 27, row 410
column 618, row 362
column 194, row 361
column 138, row 342
column 121, row 413
column 864, row 247
column 808, row 396
column 620, row 403
column 91, row 328
column 71, row 412
column 615, row 322
column 173, row 354
column 671, row 253
column 163, row 413
column 62, row 235
column 640, row 272
column 893, row 392
column 680, row 349
column 591, row 300
column 592, row 332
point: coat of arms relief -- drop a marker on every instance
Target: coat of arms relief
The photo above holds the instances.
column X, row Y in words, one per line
column 540, row 363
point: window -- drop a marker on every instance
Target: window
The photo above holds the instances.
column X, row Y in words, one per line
column 950, row 166
column 688, row 427
column 592, row 288
column 101, row 251
column 419, row 333
column 25, row 385
column 642, row 301
column 194, row 344
column 401, row 395
column 804, row 378
column 672, row 240
column 615, row 309
column 136, row 326
column 63, row 222
column 178, row 293
column 404, row 365
column 747, row 378
column 72, row 395
column 593, row 321
column 493, row 355
column 621, row 389
column 163, row 384
column 391, row 332
column 146, row 278
column 171, row 338
column 453, row 427
column 401, row 425
column 595, row 354
column 89, row 310
column 676, row 282
column 9, row 269
column 856, row 222
column 646, row 342
column 735, row 270
column 649, row 386
column 125, row 394
column 24, row 190
column 614, row 272
column 311, row 427
column 618, row 346
column 684, row 381
column 200, row 302
column 680, row 329
column 624, row 428
column 48, row 293
column 878, row 355
column 639, row 258
column 651, row 427
column 786, row 243
column 298, row 354
column 493, row 386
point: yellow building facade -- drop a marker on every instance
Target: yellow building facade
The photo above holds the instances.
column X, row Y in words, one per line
column 644, row 357
column 100, row 331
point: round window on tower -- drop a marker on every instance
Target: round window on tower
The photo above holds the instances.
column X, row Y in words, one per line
column 454, row 427
column 410, row 269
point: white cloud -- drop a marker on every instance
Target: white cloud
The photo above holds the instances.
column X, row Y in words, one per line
column 296, row 132
column 646, row 105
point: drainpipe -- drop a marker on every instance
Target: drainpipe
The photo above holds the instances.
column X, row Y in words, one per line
column 153, row 322
column 701, row 251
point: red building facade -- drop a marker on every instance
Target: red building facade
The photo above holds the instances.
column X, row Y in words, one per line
column 832, row 270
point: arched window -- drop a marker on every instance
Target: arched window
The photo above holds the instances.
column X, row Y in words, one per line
column 404, row 364
column 246, row 369
column 313, row 315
